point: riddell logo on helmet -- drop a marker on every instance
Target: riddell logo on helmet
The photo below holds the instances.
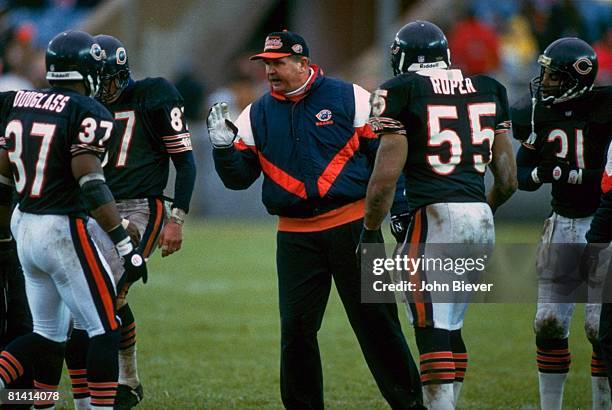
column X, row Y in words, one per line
column 273, row 43
column 429, row 65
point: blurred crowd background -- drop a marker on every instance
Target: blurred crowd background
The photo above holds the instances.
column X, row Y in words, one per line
column 203, row 47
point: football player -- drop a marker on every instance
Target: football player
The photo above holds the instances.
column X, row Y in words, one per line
column 564, row 127
column 151, row 132
column 442, row 130
column 51, row 151
column 15, row 318
column 598, row 238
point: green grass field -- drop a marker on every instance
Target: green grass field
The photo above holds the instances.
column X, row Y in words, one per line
column 208, row 334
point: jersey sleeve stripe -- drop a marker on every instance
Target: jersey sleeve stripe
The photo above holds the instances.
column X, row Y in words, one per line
column 176, row 136
column 178, row 150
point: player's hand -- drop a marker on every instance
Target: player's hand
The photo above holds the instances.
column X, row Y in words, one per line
column 556, row 171
column 399, row 226
column 133, row 263
column 366, row 254
column 133, row 232
column 170, row 239
column 221, row 129
column 589, row 260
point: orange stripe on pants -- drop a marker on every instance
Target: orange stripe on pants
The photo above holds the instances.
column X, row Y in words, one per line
column 107, row 300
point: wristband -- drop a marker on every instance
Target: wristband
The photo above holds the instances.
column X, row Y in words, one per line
column 177, row 215
column 118, row 234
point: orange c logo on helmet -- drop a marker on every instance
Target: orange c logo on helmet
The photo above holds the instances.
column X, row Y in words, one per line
column 583, row 66
column 121, row 56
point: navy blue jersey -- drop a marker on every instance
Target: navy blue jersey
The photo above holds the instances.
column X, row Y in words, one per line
column 150, row 128
column 450, row 124
column 43, row 131
column 578, row 132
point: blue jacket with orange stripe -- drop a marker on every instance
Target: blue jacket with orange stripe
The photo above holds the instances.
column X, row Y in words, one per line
column 316, row 152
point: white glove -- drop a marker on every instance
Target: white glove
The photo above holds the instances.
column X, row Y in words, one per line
column 221, row 129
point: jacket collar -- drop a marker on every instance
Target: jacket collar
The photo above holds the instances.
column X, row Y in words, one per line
column 314, row 80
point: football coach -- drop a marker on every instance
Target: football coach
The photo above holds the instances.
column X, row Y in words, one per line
column 309, row 136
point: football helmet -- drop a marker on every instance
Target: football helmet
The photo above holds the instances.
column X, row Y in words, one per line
column 75, row 56
column 568, row 70
column 419, row 45
column 116, row 68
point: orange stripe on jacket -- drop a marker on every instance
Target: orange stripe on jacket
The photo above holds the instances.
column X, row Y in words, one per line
column 156, row 225
column 336, row 217
column 366, row 132
column 336, row 165
column 107, row 300
column 283, row 179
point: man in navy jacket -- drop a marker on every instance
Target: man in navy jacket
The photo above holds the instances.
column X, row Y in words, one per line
column 309, row 136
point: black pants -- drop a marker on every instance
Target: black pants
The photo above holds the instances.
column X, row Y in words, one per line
column 306, row 263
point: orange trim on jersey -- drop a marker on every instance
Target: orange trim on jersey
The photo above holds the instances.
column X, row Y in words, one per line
column 339, row 216
column 77, row 390
column 460, row 356
column 436, row 355
column 107, row 300
column 77, row 371
column 336, row 165
column 156, row 226
column 283, row 179
column 606, row 183
column 415, row 240
column 11, row 359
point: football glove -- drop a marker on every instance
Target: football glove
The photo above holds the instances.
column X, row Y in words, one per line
column 366, row 255
column 589, row 260
column 221, row 129
column 399, row 226
column 556, row 171
column 133, row 263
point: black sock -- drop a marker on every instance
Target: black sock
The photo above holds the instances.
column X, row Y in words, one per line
column 103, row 368
column 76, row 361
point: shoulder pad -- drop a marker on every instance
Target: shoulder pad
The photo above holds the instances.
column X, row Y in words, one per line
column 601, row 101
column 89, row 106
column 158, row 91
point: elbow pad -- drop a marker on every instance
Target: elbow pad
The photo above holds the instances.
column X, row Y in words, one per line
column 94, row 190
